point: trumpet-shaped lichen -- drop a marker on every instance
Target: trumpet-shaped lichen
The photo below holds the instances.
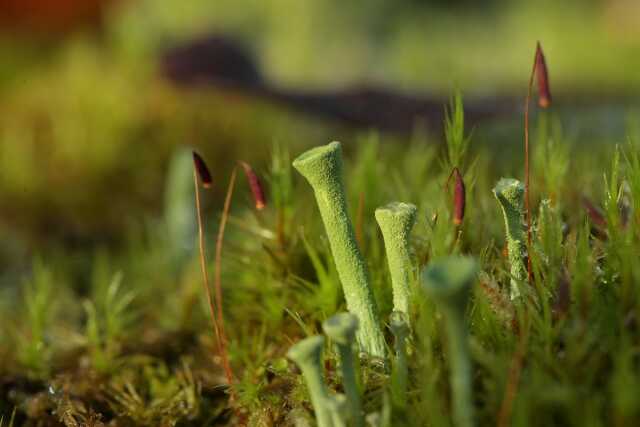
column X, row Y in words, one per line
column 396, row 221
column 322, row 167
column 399, row 326
column 448, row 282
column 341, row 328
column 338, row 405
column 308, row 356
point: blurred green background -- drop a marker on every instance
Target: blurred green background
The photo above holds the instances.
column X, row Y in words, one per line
column 88, row 123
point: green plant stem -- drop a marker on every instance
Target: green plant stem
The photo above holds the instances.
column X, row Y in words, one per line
column 341, row 328
column 510, row 194
column 448, row 282
column 396, row 221
column 400, row 374
column 178, row 208
column 338, row 406
column 460, row 365
column 307, row 354
column 226, row 364
column 322, row 167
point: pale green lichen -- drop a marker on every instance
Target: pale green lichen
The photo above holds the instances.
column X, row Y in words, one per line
column 510, row 194
column 322, row 167
column 338, row 407
column 307, row 354
column 448, row 282
column 341, row 328
column 399, row 325
column 179, row 217
column 396, row 221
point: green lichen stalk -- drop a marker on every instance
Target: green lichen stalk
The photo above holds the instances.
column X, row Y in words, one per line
column 510, row 195
column 307, row 354
column 448, row 282
column 341, row 328
column 338, row 407
column 396, row 221
column 399, row 325
column 322, row 167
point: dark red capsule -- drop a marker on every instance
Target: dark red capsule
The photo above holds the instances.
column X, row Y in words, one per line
column 595, row 214
column 255, row 185
column 202, row 170
column 459, row 196
column 542, row 74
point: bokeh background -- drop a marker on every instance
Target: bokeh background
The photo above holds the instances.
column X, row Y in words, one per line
column 89, row 117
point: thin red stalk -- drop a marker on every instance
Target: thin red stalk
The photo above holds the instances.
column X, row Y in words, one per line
column 218, row 281
column 513, row 381
column 203, row 263
column 527, row 203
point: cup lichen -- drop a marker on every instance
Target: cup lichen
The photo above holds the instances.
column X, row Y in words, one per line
column 448, row 282
column 341, row 328
column 396, row 221
column 307, row 354
column 322, row 167
column 338, row 407
column 399, row 325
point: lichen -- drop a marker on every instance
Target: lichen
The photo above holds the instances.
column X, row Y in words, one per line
column 322, row 167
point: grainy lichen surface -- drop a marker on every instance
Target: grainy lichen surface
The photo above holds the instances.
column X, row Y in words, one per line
column 396, row 221
column 322, row 167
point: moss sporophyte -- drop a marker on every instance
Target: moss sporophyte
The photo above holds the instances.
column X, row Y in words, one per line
column 307, row 354
column 510, row 194
column 448, row 282
column 322, row 167
column 396, row 221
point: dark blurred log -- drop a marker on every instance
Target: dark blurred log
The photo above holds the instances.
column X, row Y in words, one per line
column 223, row 63
column 214, row 60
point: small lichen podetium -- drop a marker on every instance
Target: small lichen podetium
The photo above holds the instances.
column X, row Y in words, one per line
column 307, row 354
column 448, row 282
column 322, row 167
column 337, row 405
column 396, row 221
column 510, row 194
column 341, row 328
column 399, row 325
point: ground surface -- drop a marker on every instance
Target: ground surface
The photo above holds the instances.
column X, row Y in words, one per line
column 103, row 317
